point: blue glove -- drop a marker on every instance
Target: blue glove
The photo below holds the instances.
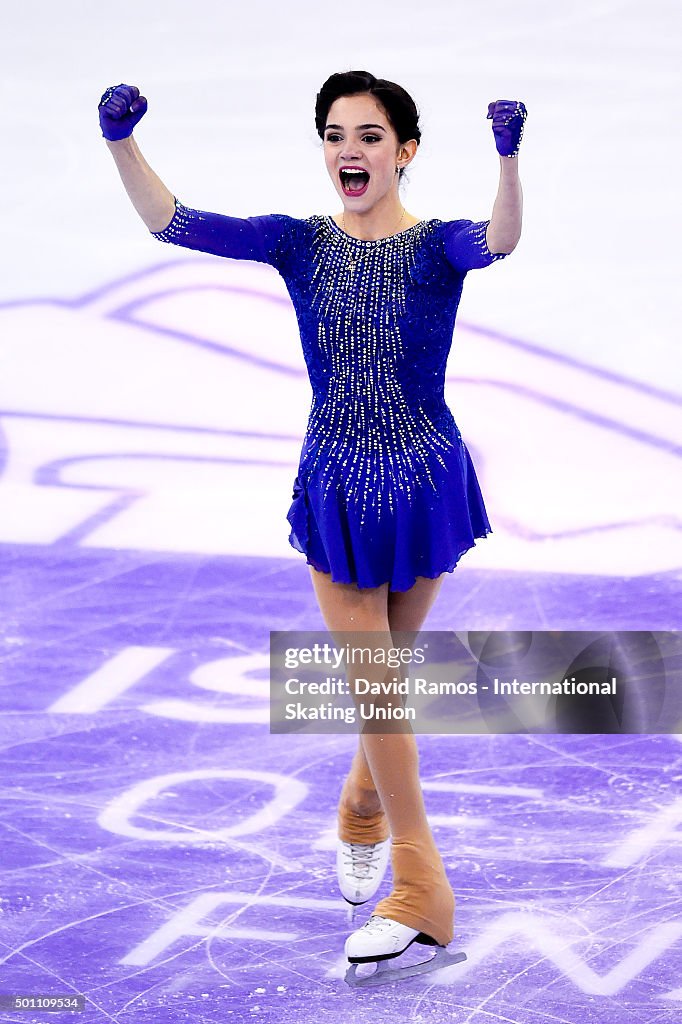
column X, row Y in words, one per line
column 508, row 117
column 120, row 108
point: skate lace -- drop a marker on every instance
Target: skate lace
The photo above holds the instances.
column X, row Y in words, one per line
column 362, row 857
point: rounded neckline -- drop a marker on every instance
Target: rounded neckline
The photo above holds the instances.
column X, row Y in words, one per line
column 372, row 241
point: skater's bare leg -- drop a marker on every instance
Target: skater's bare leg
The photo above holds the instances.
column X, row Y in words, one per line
column 407, row 611
column 360, row 814
column 359, row 799
column 422, row 897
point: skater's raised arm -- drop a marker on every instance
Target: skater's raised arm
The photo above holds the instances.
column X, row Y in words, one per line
column 153, row 201
column 504, row 230
column 120, row 108
column 169, row 220
column 471, row 244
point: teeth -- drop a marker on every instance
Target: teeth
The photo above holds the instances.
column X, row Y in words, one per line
column 346, row 173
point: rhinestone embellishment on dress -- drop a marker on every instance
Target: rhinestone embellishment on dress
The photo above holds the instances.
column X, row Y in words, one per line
column 364, row 434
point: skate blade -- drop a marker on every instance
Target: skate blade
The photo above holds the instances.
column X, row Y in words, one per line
column 385, row 974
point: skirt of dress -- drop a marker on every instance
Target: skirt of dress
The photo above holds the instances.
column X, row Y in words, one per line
column 424, row 536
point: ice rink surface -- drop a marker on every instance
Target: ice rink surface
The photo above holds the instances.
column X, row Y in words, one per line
column 162, row 853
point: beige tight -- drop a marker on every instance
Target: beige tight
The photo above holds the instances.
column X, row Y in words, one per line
column 382, row 793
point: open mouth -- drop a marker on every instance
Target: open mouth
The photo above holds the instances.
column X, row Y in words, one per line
column 354, row 181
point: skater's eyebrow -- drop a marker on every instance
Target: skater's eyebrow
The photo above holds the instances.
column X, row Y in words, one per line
column 358, row 127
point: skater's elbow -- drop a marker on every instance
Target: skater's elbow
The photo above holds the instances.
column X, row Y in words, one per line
column 161, row 218
column 498, row 242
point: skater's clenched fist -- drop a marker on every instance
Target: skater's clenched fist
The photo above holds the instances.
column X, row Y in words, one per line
column 508, row 117
column 120, row 108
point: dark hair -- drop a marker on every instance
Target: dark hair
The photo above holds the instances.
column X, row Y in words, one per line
column 400, row 108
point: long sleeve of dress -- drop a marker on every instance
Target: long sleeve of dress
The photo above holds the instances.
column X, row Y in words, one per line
column 240, row 238
column 466, row 247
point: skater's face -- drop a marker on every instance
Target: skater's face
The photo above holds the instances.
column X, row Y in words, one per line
column 359, row 134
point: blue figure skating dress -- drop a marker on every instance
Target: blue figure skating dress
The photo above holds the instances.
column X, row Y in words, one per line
column 385, row 489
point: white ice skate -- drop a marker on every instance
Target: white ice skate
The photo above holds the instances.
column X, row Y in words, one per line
column 360, row 868
column 381, row 940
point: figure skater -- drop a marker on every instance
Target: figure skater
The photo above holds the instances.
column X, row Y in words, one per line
column 386, row 499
